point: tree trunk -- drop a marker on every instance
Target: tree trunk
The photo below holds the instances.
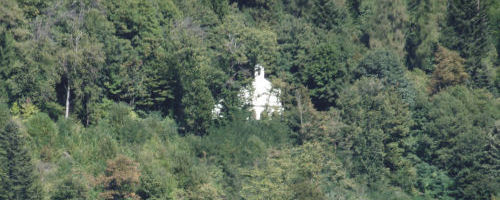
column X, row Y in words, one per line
column 67, row 102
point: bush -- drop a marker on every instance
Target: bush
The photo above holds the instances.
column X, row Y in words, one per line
column 433, row 182
column 241, row 142
column 156, row 183
column 120, row 178
column 53, row 109
column 164, row 128
column 42, row 129
column 125, row 125
column 71, row 188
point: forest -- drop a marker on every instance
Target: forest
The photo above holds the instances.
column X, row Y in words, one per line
column 382, row 99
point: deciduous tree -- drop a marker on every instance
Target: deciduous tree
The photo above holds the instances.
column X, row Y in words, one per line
column 449, row 70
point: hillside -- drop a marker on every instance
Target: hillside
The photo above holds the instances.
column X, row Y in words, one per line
column 380, row 99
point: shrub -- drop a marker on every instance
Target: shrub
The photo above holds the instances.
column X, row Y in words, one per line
column 120, row 178
column 71, row 188
column 42, row 129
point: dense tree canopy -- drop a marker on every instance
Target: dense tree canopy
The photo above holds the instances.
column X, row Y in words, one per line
column 382, row 99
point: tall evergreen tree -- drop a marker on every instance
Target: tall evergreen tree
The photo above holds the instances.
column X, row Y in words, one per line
column 7, row 53
column 4, row 118
column 7, row 56
column 467, row 32
column 17, row 172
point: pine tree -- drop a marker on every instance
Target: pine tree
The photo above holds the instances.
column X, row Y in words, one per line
column 16, row 169
column 6, row 51
column 198, row 103
column 4, row 118
column 467, row 32
column 7, row 56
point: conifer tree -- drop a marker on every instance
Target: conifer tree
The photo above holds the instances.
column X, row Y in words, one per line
column 7, row 57
column 18, row 178
column 4, row 118
column 6, row 52
column 467, row 32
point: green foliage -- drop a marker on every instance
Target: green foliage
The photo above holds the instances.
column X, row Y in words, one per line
column 494, row 18
column 385, row 65
column 329, row 14
column 242, row 46
column 220, row 7
column 384, row 23
column 304, row 172
column 4, row 115
column 462, row 124
column 382, row 64
column 434, row 183
column 198, row 104
column 125, row 125
column 18, row 176
column 306, row 123
column 53, row 109
column 449, row 70
column 375, row 106
column 326, row 71
column 426, row 18
column 156, row 183
column 7, row 53
column 42, row 129
column 7, row 57
column 32, row 8
column 378, row 127
column 27, row 110
column 120, row 179
column 71, row 188
column 467, row 33
column 271, row 181
column 241, row 143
